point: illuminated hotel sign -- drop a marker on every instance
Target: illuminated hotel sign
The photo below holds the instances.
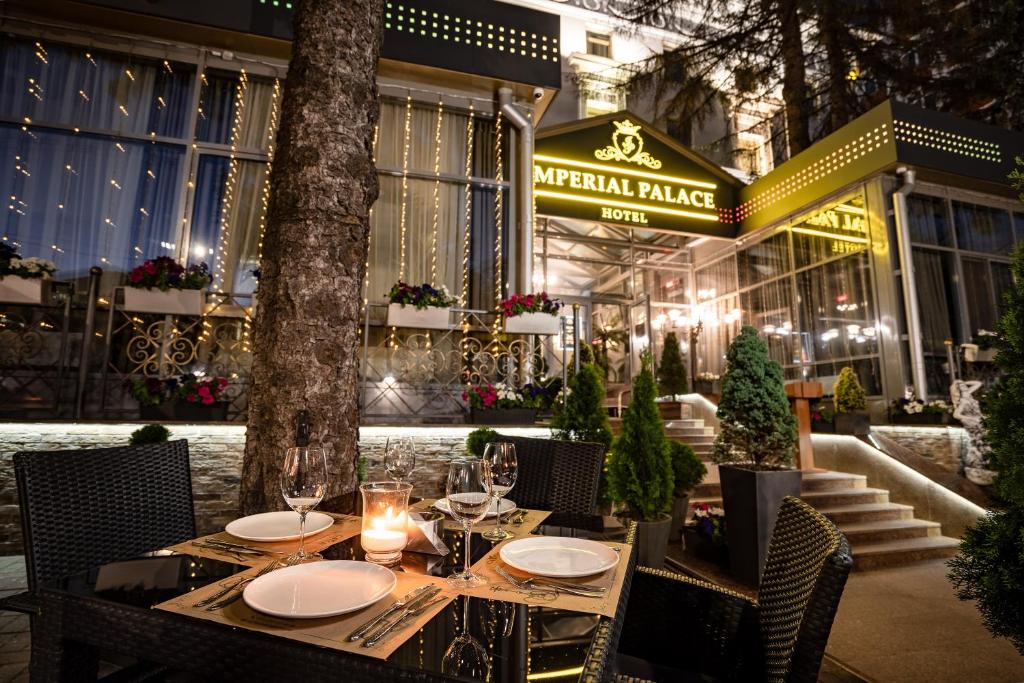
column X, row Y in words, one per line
column 618, row 169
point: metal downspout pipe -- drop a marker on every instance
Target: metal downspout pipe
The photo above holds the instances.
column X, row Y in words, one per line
column 524, row 127
column 899, row 205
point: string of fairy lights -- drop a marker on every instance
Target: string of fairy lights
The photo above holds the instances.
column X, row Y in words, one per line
column 231, row 183
column 437, row 193
column 467, row 216
column 499, row 214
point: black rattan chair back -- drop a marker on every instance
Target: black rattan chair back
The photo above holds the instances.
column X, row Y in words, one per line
column 805, row 572
column 561, row 476
column 83, row 508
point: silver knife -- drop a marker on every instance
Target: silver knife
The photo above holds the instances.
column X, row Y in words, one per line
column 373, row 636
column 238, row 546
column 399, row 604
column 406, row 617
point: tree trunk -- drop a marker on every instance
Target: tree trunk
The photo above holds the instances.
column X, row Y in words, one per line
column 794, row 77
column 832, row 31
column 314, row 251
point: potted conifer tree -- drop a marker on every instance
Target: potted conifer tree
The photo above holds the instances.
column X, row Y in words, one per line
column 584, row 418
column 688, row 472
column 851, row 405
column 640, row 472
column 755, row 449
column 671, row 378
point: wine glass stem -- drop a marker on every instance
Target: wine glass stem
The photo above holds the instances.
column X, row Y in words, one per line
column 498, row 507
column 468, row 526
column 302, row 534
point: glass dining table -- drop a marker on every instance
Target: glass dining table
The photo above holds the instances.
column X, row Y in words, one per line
column 106, row 613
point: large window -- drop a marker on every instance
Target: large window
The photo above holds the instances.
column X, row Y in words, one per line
column 982, row 228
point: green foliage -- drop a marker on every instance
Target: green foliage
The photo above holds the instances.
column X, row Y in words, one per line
column 990, row 569
column 688, row 470
column 362, row 469
column 990, row 566
column 150, row 434
column 478, row 439
column 756, row 423
column 849, row 394
column 640, row 471
column 586, row 358
column 585, row 418
column 672, row 370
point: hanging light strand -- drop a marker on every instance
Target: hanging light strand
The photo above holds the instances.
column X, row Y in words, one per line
column 499, row 206
column 402, row 221
column 220, row 258
column 467, row 215
column 271, row 131
column 437, row 194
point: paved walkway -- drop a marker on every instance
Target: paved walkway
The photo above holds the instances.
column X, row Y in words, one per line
column 14, row 633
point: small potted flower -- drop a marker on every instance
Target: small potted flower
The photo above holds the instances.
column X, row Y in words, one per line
column 421, row 306
column 911, row 410
column 704, row 383
column 162, row 285
column 23, row 280
column 531, row 314
column 188, row 398
column 823, row 421
column 707, row 535
column 501, row 404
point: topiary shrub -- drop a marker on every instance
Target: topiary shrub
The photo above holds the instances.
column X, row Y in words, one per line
column 672, row 369
column 849, row 394
column 150, row 434
column 477, row 440
column 585, row 418
column 990, row 565
column 640, row 471
column 755, row 421
column 687, row 469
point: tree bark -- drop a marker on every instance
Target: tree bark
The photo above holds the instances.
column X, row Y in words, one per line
column 832, row 30
column 794, row 77
column 323, row 183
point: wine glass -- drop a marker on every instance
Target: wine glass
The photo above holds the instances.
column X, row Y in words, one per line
column 465, row 656
column 501, row 457
column 303, row 485
column 468, row 490
column 399, row 458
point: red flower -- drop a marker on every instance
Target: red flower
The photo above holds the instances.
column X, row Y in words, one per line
column 149, row 267
column 204, row 391
column 222, row 382
column 191, row 398
column 136, row 276
column 207, row 400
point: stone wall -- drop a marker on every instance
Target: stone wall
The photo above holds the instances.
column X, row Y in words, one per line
column 944, row 445
column 215, row 452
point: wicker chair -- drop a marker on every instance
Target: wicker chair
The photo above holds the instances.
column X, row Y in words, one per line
column 681, row 629
column 561, row 476
column 84, row 508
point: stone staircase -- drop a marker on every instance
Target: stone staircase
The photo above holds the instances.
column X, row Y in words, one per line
column 881, row 533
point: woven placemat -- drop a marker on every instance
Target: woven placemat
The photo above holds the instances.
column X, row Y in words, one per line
column 499, row 588
column 532, row 520
column 330, row 632
column 344, row 528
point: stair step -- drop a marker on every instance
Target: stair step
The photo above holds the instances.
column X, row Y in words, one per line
column 685, row 424
column 903, row 551
column 693, row 440
column 867, row 533
column 830, row 481
column 867, row 512
column 831, row 498
column 689, row 432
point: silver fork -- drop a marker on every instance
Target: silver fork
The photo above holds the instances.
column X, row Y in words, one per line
column 527, row 584
column 241, row 582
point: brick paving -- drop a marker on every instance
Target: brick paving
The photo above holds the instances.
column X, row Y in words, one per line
column 14, row 628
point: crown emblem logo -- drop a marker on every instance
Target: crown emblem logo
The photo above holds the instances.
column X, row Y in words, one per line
column 627, row 145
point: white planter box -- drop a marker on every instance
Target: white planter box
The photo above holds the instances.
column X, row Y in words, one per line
column 532, row 323
column 430, row 318
column 15, row 289
column 171, row 302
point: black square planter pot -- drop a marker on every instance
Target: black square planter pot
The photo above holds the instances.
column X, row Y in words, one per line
column 503, row 416
column 183, row 411
column 751, row 499
column 936, row 419
column 857, row 424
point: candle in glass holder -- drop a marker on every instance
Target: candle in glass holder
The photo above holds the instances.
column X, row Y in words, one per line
column 385, row 521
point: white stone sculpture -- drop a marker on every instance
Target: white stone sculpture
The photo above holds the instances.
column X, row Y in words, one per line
column 968, row 411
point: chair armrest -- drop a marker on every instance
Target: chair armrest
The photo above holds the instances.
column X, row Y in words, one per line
column 24, row 603
column 679, row 622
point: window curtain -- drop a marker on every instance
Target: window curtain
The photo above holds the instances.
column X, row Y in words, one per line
column 83, row 200
column 218, row 104
column 983, row 228
column 929, row 221
column 934, row 275
column 837, row 320
column 769, row 308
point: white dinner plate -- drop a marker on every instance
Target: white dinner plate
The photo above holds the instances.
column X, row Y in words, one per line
column 319, row 589
column 558, row 557
column 277, row 526
column 507, row 506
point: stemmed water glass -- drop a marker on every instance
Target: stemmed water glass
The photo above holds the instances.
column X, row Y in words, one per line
column 466, row 656
column 303, row 485
column 400, row 458
column 468, row 490
column 501, row 457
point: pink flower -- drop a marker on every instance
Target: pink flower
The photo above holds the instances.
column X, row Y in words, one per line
column 204, row 391
column 207, row 400
column 136, row 276
column 488, row 400
column 465, row 395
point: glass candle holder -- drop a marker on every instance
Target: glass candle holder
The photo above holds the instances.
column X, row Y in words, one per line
column 385, row 530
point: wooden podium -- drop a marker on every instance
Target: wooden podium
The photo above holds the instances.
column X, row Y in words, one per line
column 800, row 395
